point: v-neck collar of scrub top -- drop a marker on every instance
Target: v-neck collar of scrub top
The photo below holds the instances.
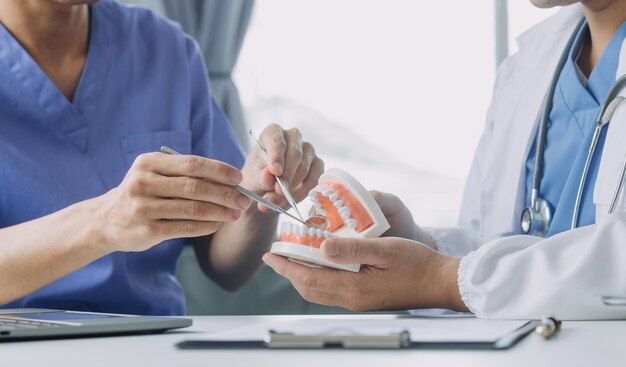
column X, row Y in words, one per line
column 70, row 119
column 582, row 94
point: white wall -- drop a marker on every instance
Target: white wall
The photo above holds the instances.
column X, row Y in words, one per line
column 405, row 83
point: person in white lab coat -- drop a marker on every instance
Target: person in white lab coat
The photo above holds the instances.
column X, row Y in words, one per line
column 487, row 265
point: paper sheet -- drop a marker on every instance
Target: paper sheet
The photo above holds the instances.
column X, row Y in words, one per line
column 421, row 330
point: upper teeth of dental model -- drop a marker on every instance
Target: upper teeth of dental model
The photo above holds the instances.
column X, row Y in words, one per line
column 342, row 206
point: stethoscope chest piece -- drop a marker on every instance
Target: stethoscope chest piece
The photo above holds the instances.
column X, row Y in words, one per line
column 536, row 218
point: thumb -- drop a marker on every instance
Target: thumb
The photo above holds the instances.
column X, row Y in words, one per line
column 389, row 204
column 368, row 251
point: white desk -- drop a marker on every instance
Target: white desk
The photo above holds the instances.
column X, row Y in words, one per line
column 582, row 343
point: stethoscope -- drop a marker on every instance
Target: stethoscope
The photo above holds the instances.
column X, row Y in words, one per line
column 536, row 218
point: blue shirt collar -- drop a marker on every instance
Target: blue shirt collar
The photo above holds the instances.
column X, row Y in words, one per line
column 580, row 95
column 71, row 119
column 603, row 75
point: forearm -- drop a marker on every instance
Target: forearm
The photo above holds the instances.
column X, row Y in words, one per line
column 36, row 253
column 235, row 250
column 524, row 277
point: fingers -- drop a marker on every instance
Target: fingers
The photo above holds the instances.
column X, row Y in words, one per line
column 389, row 204
column 378, row 252
column 378, row 197
column 315, row 171
column 319, row 297
column 194, row 189
column 293, row 155
column 302, row 170
column 287, row 156
column 302, row 190
column 186, row 210
column 326, row 286
column 165, row 228
column 303, row 277
column 300, row 280
column 273, row 140
column 189, row 166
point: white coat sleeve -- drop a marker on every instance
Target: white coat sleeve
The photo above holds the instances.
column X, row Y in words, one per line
column 523, row 277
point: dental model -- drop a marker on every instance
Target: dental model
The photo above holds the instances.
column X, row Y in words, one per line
column 350, row 211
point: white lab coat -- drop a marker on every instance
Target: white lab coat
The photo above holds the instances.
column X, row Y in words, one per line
column 507, row 275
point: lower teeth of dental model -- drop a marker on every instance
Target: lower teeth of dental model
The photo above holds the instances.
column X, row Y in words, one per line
column 302, row 235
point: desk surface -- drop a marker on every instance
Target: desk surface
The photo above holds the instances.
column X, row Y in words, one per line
column 581, row 343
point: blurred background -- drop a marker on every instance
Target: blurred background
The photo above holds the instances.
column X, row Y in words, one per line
column 395, row 92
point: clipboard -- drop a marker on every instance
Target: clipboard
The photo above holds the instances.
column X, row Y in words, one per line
column 347, row 339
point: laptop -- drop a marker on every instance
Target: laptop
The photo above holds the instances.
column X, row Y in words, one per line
column 36, row 323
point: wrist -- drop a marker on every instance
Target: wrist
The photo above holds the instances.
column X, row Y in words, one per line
column 83, row 230
column 448, row 278
column 94, row 232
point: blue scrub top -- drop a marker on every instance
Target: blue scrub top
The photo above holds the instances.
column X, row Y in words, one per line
column 570, row 130
column 144, row 85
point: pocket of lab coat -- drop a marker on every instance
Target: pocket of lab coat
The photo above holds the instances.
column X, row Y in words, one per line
column 611, row 166
column 136, row 144
column 603, row 204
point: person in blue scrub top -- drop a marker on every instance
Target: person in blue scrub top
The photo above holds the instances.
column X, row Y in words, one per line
column 92, row 217
column 486, row 265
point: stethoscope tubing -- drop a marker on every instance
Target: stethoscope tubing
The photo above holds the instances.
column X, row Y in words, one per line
column 605, row 114
column 618, row 188
column 583, row 177
column 545, row 117
column 611, row 101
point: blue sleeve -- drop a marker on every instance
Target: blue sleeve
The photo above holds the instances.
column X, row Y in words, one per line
column 212, row 134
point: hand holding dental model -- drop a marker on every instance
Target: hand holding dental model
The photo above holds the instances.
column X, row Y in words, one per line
column 389, row 267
